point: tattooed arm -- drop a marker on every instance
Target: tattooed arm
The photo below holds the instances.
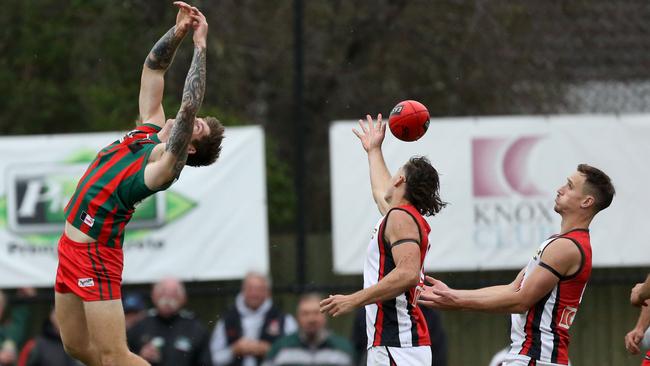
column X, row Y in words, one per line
column 152, row 82
column 163, row 171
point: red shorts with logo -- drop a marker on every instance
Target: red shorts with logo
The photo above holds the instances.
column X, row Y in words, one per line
column 89, row 270
column 646, row 359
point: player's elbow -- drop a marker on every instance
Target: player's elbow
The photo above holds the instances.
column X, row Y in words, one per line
column 409, row 278
column 519, row 308
column 414, row 281
column 190, row 107
column 521, row 305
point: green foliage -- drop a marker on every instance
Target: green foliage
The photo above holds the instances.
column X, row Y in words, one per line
column 280, row 189
column 74, row 66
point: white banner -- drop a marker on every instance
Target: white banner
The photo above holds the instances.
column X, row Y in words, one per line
column 500, row 177
column 211, row 224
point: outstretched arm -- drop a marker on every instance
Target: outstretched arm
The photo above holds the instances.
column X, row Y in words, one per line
column 152, row 81
column 560, row 259
column 163, row 171
column 372, row 136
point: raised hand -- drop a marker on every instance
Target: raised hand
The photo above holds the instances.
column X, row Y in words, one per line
column 184, row 17
column 200, row 26
column 373, row 133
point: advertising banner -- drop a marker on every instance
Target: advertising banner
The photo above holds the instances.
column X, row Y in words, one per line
column 500, row 176
column 211, row 224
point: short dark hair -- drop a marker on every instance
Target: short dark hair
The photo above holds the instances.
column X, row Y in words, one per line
column 208, row 147
column 423, row 186
column 599, row 185
column 310, row 296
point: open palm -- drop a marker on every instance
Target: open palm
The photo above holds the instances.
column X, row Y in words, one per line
column 435, row 285
column 372, row 133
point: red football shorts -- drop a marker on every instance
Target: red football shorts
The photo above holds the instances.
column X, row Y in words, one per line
column 89, row 270
column 646, row 359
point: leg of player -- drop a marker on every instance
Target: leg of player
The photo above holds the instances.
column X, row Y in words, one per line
column 108, row 333
column 74, row 329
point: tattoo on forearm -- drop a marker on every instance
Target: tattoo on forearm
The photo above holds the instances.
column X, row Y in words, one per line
column 195, row 82
column 162, row 53
column 193, row 91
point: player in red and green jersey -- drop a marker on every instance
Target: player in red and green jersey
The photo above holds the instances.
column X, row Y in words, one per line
column 145, row 160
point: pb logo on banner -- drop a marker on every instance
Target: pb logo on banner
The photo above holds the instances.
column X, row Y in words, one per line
column 37, row 194
column 510, row 210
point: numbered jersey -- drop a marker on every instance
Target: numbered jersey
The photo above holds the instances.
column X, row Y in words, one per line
column 542, row 333
column 397, row 322
column 105, row 197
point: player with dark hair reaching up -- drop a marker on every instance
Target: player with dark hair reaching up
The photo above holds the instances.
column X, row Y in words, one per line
column 544, row 298
column 396, row 329
column 146, row 160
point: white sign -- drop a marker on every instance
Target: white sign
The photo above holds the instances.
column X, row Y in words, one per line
column 500, row 177
column 211, row 224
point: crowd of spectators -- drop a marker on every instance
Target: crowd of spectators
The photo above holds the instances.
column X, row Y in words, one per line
column 253, row 331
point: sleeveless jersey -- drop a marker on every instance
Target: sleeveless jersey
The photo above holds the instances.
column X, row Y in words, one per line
column 397, row 322
column 106, row 194
column 542, row 333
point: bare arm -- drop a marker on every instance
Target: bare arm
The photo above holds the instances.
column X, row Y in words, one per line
column 644, row 319
column 399, row 280
column 495, row 291
column 404, row 276
column 429, row 297
column 562, row 256
column 372, row 136
column 152, row 81
column 379, row 179
column 168, row 168
column 507, row 300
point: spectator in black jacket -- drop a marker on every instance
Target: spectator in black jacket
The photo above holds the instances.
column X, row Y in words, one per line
column 170, row 335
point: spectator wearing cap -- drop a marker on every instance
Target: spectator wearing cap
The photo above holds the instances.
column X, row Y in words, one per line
column 134, row 309
column 170, row 335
